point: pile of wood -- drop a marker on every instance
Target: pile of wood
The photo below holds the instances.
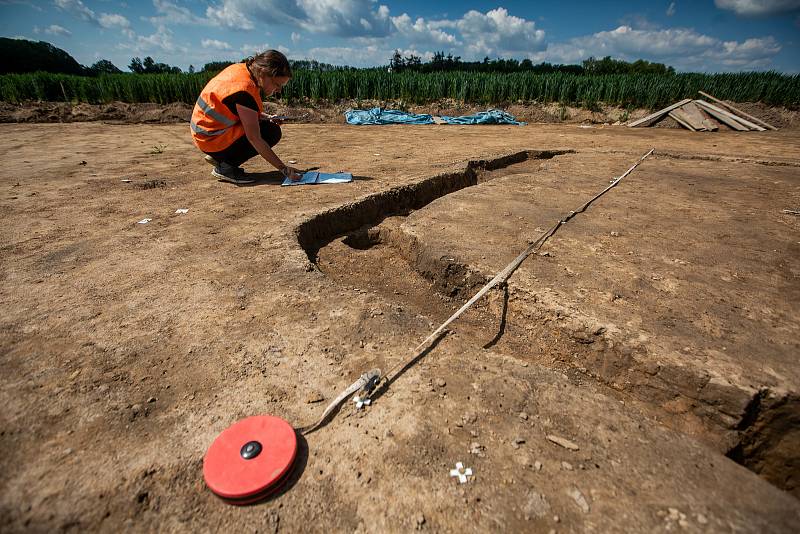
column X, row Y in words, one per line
column 702, row 116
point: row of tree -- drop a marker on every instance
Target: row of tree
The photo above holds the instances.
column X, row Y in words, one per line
column 607, row 65
column 20, row 55
column 303, row 64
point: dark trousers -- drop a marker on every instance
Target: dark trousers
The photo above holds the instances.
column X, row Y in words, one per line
column 241, row 150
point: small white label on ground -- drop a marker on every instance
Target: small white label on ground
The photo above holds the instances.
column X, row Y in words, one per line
column 361, row 403
column 461, row 473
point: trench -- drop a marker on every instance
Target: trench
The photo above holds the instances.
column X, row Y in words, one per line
column 354, row 243
column 321, row 229
column 770, row 440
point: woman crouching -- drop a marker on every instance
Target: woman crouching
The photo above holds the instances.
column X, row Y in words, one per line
column 228, row 122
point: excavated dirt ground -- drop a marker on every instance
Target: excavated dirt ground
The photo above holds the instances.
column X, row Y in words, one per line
column 658, row 331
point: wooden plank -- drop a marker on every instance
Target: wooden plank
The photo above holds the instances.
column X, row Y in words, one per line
column 680, row 118
column 722, row 117
column 694, row 116
column 658, row 114
column 744, row 122
column 710, row 124
column 739, row 112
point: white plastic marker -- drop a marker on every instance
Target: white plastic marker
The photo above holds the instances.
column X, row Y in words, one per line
column 182, row 211
column 360, row 403
column 462, row 474
column 144, row 221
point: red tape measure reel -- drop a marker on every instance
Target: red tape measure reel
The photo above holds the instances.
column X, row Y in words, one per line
column 251, row 459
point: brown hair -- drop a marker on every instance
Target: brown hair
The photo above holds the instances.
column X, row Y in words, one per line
column 271, row 62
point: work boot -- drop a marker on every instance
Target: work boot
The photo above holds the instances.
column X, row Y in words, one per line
column 228, row 173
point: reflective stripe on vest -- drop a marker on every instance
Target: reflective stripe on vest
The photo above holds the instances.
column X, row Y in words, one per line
column 201, row 131
column 208, row 110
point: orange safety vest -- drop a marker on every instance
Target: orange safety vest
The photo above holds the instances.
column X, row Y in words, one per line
column 214, row 127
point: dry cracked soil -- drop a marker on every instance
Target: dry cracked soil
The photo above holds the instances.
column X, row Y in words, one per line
column 638, row 373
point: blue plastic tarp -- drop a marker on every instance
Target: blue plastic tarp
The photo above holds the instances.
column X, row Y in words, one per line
column 492, row 116
column 313, row 177
column 393, row 116
column 385, row 116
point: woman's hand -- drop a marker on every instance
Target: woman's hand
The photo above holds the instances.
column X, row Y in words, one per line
column 291, row 173
column 252, row 129
column 272, row 118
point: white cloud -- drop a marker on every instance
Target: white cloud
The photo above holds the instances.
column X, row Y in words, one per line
column 758, row 7
column 215, row 44
column 113, row 20
column 426, row 55
column 754, row 53
column 346, row 18
column 21, row 3
column 172, row 13
column 496, row 33
column 296, row 37
column 671, row 9
column 229, row 15
column 104, row 20
column 55, row 29
column 420, row 31
column 342, row 18
column 683, row 48
column 638, row 21
column 159, row 42
column 252, row 49
column 77, row 8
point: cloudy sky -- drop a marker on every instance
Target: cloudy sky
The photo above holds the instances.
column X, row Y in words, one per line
column 700, row 35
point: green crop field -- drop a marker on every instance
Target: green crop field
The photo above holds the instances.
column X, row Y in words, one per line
column 638, row 90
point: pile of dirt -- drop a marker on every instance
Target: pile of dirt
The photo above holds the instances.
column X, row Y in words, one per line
column 780, row 117
column 116, row 112
column 308, row 112
column 551, row 113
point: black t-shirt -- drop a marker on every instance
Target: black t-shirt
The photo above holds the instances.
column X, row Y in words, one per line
column 242, row 97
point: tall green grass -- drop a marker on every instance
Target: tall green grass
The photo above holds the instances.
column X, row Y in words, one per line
column 649, row 90
column 488, row 88
column 158, row 88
